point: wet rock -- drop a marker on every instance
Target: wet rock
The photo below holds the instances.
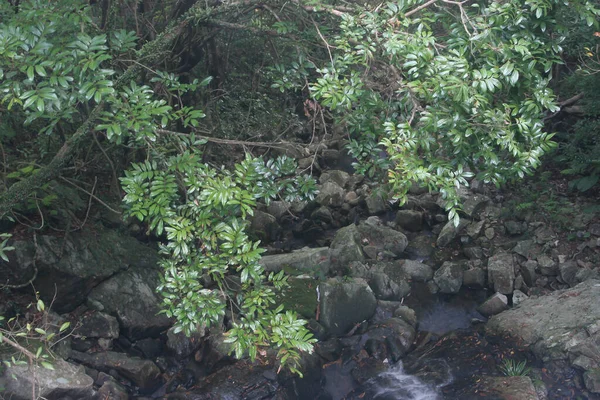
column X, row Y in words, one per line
column 386, row 289
column 528, row 272
column 385, row 238
column 547, row 265
column 506, row 387
column 390, row 339
column 330, row 195
column 406, row 314
column 501, row 273
column 183, row 346
column 98, row 325
column 518, row 297
column 474, row 278
column 368, row 368
column 307, row 260
column 494, row 305
column 130, row 296
column 65, row 381
column 340, row 178
column 449, row 277
column 410, row 220
column 515, row 228
column 376, row 203
column 69, row 268
column 417, row 271
column 143, row 373
column 344, row 304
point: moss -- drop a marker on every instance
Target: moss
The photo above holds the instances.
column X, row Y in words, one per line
column 300, row 297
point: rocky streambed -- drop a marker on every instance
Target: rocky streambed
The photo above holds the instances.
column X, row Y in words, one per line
column 405, row 305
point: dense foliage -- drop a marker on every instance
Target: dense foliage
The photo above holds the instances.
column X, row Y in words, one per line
column 430, row 93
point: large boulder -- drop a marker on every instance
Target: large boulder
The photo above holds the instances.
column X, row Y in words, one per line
column 411, row 220
column 501, row 273
column 506, row 387
column 69, row 268
column 564, row 325
column 417, row 271
column 130, row 296
column 143, row 373
column 387, row 289
column 64, row 381
column 95, row 324
column 383, row 237
column 341, row 178
column 330, row 194
column 390, row 339
column 449, row 277
column 313, row 261
column 345, row 304
column 346, row 247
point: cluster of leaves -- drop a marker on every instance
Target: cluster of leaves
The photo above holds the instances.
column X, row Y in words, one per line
column 451, row 91
column 210, row 262
column 511, row 367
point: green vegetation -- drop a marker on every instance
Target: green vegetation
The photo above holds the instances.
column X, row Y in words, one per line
column 512, row 368
column 137, row 98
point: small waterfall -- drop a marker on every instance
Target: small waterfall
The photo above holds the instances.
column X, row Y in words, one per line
column 396, row 384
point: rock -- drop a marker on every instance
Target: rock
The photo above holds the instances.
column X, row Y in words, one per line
column 386, row 289
column 340, row 178
column 561, row 325
column 494, row 305
column 417, row 271
column 351, row 198
column 474, row 229
column 130, row 296
column 278, row 209
column 346, row 247
column 330, row 195
column 473, row 253
column 514, row 228
column 528, row 272
column 65, row 381
column 143, row 373
column 474, row 278
column 322, row 214
column 97, row 325
column 69, row 268
column 420, row 247
column 264, row 226
column 314, row 261
column 300, row 297
column 591, row 380
column 150, row 348
column 518, row 297
column 390, row 339
column 506, row 387
column 113, row 390
column 449, row 232
column 568, row 272
column 501, row 273
column 489, row 233
column 547, row 265
column 410, row 220
column 524, row 248
column 385, row 238
column 183, row 346
column 376, row 203
column 474, row 204
column 594, row 229
column 406, row 314
column 344, row 304
column 449, row 277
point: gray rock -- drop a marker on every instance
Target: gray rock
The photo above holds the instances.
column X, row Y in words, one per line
column 594, row 229
column 473, row 253
column 548, row 267
column 489, row 233
column 65, row 381
column 524, row 248
column 143, row 373
column 183, row 346
column 330, row 195
column 346, row 247
column 474, row 204
column 387, row 239
column 322, row 214
column 376, row 203
column 420, row 247
column 344, row 304
column 406, row 314
column 264, row 226
column 501, row 273
column 308, row 260
column 560, row 325
column 98, row 325
column 507, row 387
column 386, row 289
column 417, row 271
column 390, row 339
column 410, row 220
column 515, row 228
column 474, row 278
column 518, row 297
column 474, row 228
column 449, row 277
column 449, row 232
column 591, row 380
column 494, row 305
column 528, row 272
column 130, row 296
column 568, row 272
column 351, row 198
column 113, row 390
column 340, row 178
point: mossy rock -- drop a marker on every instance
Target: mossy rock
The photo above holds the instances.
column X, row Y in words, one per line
column 300, row 296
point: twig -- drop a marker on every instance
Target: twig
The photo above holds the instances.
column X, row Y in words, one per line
column 422, row 6
column 35, row 268
column 112, row 166
column 91, row 195
column 277, row 145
